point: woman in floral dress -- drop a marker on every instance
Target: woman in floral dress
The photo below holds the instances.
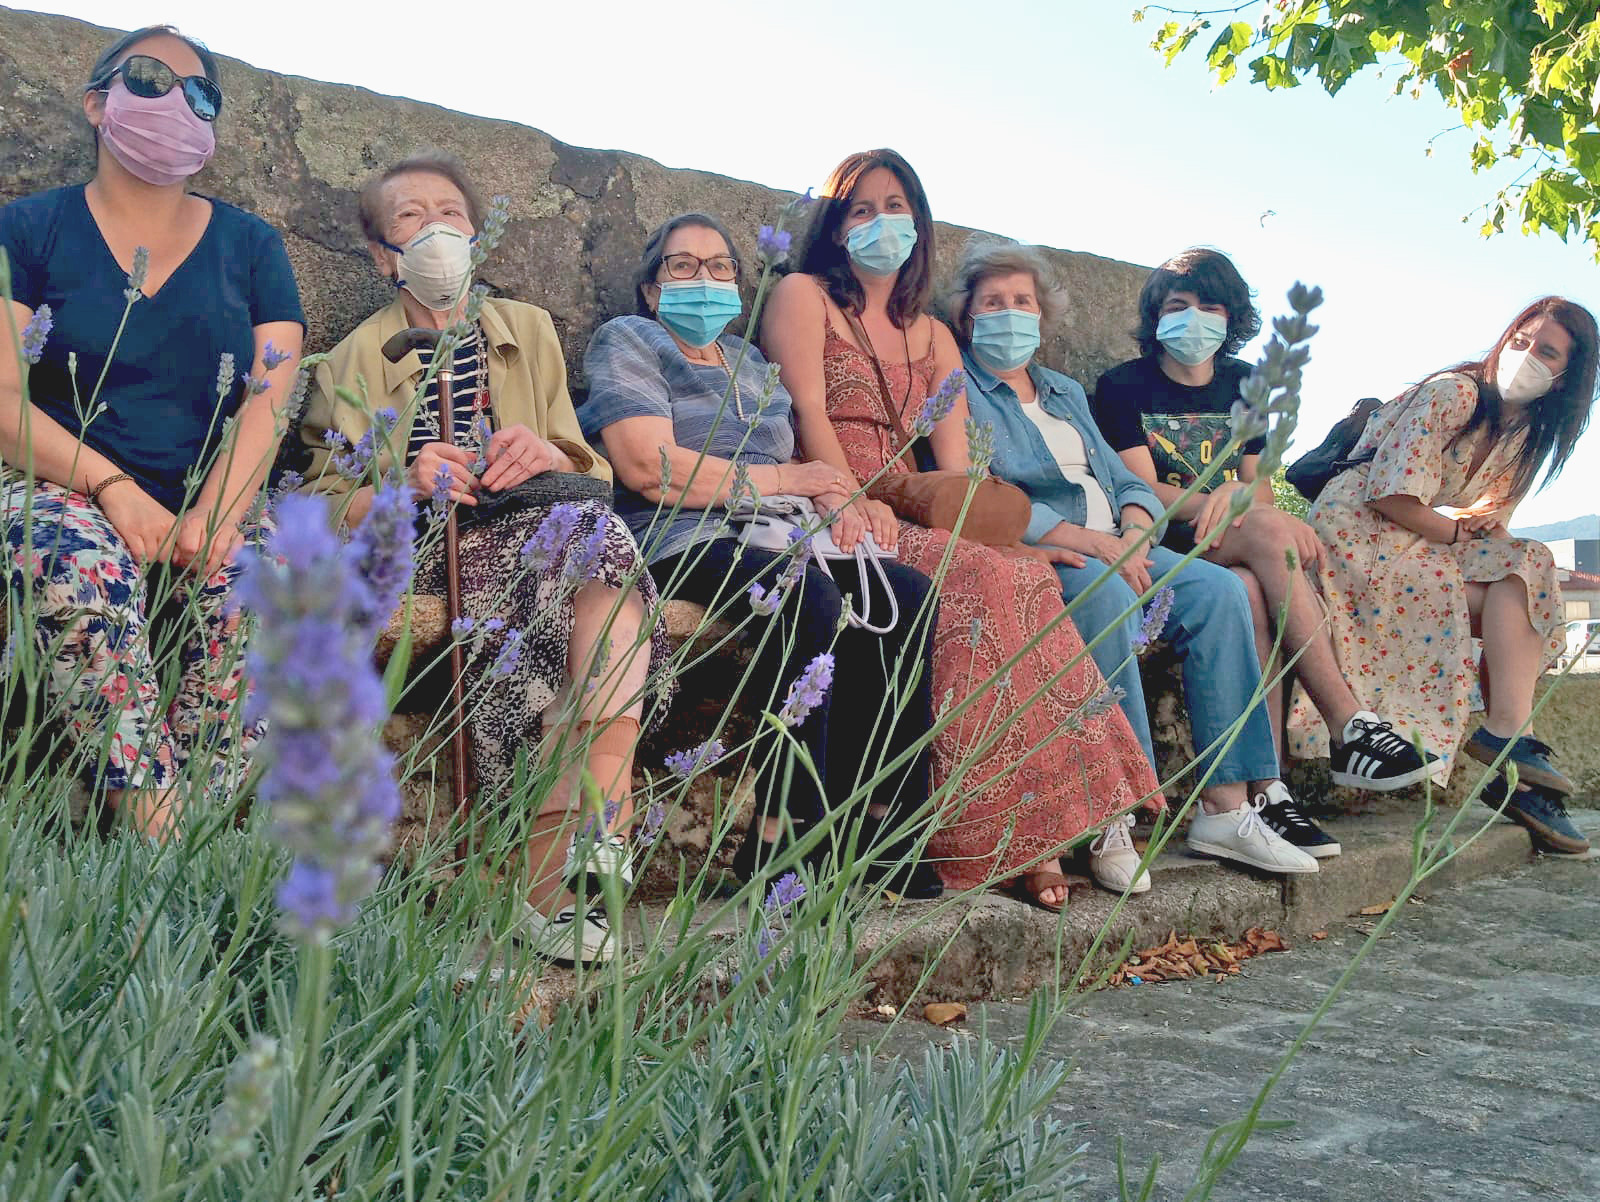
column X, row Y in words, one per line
column 1031, row 774
column 1410, row 587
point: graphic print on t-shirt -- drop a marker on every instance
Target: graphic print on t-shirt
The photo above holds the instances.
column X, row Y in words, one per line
column 1184, row 444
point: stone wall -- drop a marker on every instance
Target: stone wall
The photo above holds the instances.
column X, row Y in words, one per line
column 295, row 151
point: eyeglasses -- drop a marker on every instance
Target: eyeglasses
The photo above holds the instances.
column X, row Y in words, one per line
column 687, row 266
column 150, row 77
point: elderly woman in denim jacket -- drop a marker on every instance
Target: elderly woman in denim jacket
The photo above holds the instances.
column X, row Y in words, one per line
column 1086, row 500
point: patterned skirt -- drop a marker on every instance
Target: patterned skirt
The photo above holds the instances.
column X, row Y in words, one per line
column 519, row 659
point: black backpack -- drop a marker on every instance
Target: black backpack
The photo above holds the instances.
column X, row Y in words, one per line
column 1312, row 471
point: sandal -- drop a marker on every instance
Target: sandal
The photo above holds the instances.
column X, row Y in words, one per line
column 1030, row 886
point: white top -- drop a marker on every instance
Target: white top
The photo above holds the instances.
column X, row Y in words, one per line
column 1066, row 445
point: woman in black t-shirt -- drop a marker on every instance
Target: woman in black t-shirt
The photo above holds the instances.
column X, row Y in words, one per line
column 1166, row 414
column 160, row 330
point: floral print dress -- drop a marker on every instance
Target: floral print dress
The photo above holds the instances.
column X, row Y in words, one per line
column 1398, row 601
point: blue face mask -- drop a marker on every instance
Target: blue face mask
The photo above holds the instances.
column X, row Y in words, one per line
column 882, row 246
column 697, row 311
column 1005, row 339
column 1192, row 336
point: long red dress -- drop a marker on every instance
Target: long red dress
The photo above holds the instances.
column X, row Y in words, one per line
column 1055, row 772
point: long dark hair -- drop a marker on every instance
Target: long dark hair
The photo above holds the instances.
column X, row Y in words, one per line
column 825, row 258
column 118, row 50
column 1555, row 421
column 1211, row 276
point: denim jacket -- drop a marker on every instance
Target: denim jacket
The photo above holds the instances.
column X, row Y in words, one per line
column 1021, row 456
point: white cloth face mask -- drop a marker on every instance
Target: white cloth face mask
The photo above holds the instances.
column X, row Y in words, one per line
column 1522, row 378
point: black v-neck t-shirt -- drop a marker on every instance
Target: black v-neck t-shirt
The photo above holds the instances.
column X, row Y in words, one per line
column 162, row 414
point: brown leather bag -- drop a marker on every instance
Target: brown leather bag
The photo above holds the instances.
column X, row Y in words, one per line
column 999, row 513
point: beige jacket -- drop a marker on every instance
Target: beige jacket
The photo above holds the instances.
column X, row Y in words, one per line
column 527, row 386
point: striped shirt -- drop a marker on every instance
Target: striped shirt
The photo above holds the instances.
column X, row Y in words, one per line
column 635, row 369
column 469, row 385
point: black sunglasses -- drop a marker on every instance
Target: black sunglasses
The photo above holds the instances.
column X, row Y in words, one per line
column 150, row 77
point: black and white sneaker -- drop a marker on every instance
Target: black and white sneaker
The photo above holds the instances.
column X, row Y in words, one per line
column 1373, row 757
column 1282, row 813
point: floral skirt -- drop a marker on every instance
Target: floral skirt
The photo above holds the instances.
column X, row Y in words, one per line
column 519, row 654
column 91, row 628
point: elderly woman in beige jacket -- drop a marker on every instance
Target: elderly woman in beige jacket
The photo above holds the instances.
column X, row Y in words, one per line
column 554, row 595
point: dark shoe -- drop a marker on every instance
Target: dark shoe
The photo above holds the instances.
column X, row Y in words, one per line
column 1545, row 815
column 755, row 854
column 895, row 866
column 1374, row 757
column 1282, row 813
column 1530, row 755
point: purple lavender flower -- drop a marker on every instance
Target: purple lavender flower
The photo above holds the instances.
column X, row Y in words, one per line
column 937, row 407
column 1155, row 618
column 225, row 374
column 650, row 829
column 462, row 628
column 785, row 892
column 686, row 763
column 773, row 244
column 353, row 464
column 290, row 482
column 136, row 275
column 439, row 498
column 586, row 560
column 764, row 602
column 980, row 447
column 1102, row 703
column 272, row 358
column 764, row 943
column 382, row 554
column 808, row 691
column 329, row 784
column 552, row 535
column 510, row 655
column 36, row 332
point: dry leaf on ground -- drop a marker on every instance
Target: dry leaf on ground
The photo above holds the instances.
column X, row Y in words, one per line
column 1185, row 959
column 1380, row 908
column 942, row 1014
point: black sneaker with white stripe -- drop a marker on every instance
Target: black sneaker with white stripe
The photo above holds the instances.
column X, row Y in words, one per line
column 1373, row 757
column 1283, row 814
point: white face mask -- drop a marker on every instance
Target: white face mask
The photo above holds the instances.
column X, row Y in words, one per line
column 1522, row 378
column 435, row 266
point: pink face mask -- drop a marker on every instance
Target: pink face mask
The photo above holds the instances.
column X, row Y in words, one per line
column 160, row 140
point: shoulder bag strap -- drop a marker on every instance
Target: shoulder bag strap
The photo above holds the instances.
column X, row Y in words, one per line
column 857, row 329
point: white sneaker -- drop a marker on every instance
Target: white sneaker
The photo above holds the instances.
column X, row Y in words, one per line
column 566, row 936
column 599, row 857
column 1241, row 835
column 1114, row 863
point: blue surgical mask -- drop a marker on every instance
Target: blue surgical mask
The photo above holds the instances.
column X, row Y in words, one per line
column 697, row 311
column 882, row 246
column 1192, row 336
column 1005, row 339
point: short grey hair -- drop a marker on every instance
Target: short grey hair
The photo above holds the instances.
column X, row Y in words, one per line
column 987, row 256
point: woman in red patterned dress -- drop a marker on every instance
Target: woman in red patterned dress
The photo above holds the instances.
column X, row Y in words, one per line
column 1042, row 758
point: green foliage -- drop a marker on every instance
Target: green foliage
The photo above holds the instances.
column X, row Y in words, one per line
column 1524, row 75
column 1287, row 497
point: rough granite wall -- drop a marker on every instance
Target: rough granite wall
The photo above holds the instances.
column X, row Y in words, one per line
column 294, row 151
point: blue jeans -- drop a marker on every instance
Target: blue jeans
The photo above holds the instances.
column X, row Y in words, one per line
column 1211, row 630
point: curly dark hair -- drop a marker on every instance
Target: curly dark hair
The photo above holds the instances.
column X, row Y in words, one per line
column 1211, row 276
column 824, row 256
column 1556, row 420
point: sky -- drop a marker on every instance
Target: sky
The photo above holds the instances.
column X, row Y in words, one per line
column 1051, row 121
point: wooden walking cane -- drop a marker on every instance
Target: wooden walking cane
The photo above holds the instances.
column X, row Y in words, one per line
column 394, row 350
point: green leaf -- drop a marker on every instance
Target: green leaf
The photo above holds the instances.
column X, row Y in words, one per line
column 394, row 672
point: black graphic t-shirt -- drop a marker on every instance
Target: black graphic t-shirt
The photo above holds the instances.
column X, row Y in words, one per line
column 1138, row 404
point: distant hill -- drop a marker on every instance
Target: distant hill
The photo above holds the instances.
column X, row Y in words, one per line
column 1584, row 527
